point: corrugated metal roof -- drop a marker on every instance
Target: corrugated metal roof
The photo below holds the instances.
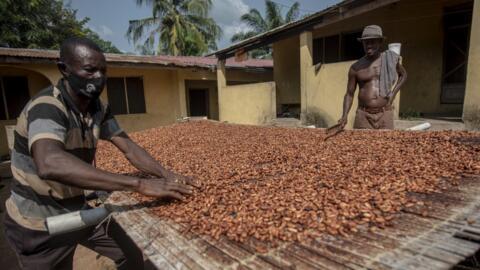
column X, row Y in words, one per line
column 18, row 54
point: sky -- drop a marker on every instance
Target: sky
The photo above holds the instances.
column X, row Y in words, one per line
column 109, row 18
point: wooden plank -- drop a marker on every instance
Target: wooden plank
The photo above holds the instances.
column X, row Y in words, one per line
column 148, row 241
column 337, row 254
column 159, row 260
column 244, row 254
column 439, row 239
column 195, row 250
column 296, row 253
column 447, row 242
column 410, row 253
column 437, row 253
column 421, row 264
column 407, row 235
column 363, row 249
column 436, row 246
column 146, row 230
column 247, row 256
column 475, row 237
column 440, row 208
column 272, row 255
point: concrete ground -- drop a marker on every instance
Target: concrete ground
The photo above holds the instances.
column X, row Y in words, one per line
column 437, row 124
column 84, row 257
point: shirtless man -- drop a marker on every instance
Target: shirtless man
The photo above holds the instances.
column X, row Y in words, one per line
column 375, row 109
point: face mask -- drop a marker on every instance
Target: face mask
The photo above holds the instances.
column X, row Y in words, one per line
column 90, row 88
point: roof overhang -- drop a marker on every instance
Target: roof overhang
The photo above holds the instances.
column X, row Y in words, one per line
column 36, row 56
column 343, row 10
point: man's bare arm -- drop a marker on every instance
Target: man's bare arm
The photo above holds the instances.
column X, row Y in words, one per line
column 349, row 95
column 143, row 161
column 54, row 163
column 402, row 77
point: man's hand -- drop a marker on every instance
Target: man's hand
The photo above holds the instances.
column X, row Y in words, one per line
column 178, row 178
column 342, row 122
column 390, row 99
column 162, row 188
column 146, row 163
column 336, row 129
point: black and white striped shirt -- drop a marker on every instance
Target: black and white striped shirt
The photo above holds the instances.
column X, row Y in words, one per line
column 52, row 115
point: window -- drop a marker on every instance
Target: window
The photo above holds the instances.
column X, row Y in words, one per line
column 318, row 51
column 13, row 97
column 336, row 48
column 126, row 95
column 352, row 49
column 332, row 49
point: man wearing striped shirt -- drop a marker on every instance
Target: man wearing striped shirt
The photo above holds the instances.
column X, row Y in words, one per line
column 54, row 148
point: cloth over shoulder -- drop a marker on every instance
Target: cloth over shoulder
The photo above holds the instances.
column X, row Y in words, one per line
column 388, row 72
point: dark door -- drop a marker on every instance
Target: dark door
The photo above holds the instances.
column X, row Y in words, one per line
column 198, row 99
column 457, row 23
column 14, row 96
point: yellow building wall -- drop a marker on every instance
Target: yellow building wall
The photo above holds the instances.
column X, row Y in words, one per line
column 250, row 104
column 160, row 88
column 166, row 96
column 183, row 75
column 36, row 82
column 49, row 71
column 471, row 110
column 191, row 78
column 325, row 94
column 286, row 59
column 417, row 25
column 164, row 91
column 161, row 98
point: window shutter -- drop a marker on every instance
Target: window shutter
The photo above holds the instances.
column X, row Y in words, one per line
column 136, row 95
column 116, row 95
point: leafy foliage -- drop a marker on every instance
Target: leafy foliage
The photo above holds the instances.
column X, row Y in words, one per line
column 259, row 24
column 179, row 27
column 43, row 24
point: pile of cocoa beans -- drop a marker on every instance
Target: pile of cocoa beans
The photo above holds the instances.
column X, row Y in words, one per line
column 288, row 184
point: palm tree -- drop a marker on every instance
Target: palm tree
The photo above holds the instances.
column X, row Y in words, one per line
column 258, row 24
column 182, row 27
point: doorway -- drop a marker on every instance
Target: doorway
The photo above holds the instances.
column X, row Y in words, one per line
column 198, row 102
column 202, row 98
column 457, row 24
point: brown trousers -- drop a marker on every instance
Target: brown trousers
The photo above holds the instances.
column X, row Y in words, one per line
column 39, row 250
column 381, row 118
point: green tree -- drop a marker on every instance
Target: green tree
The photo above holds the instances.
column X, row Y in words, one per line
column 105, row 45
column 180, row 27
column 259, row 24
column 42, row 24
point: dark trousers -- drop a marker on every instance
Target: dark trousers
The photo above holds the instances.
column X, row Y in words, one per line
column 39, row 250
